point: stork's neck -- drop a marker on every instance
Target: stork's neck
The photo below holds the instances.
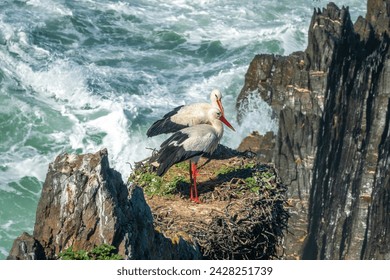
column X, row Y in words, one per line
column 214, row 103
column 218, row 126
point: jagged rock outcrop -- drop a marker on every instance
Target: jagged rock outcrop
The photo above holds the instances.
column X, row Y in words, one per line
column 332, row 147
column 26, row 247
column 84, row 203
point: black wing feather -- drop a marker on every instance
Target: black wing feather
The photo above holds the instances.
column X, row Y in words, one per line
column 165, row 125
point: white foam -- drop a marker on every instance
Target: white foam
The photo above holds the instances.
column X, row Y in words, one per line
column 115, row 125
column 23, row 163
column 51, row 7
column 63, row 87
column 6, row 31
column 4, row 187
column 3, row 252
column 63, row 80
column 7, row 225
column 257, row 109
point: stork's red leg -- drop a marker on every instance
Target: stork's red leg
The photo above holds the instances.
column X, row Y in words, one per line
column 191, row 183
column 194, row 174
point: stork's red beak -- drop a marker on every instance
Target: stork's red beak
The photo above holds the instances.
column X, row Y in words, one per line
column 222, row 119
column 219, row 102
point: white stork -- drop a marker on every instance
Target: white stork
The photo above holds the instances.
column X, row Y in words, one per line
column 190, row 144
column 186, row 115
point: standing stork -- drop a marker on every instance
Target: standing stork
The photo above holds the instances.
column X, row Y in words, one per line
column 190, row 144
column 186, row 115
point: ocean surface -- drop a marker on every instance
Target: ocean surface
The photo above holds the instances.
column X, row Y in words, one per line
column 78, row 76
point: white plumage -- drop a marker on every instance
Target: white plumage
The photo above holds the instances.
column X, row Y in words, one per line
column 186, row 116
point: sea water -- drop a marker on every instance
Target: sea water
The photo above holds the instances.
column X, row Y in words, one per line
column 79, row 76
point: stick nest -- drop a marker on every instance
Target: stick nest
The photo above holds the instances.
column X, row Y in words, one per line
column 242, row 215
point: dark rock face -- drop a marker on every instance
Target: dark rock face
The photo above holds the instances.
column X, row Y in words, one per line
column 350, row 160
column 260, row 145
column 26, row 247
column 84, row 203
column 332, row 147
column 378, row 15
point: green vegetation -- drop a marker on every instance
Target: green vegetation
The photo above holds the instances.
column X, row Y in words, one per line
column 251, row 174
column 261, row 180
column 252, row 184
column 155, row 185
column 101, row 252
column 225, row 170
column 184, row 166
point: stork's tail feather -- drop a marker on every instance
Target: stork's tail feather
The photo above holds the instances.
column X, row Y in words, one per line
column 171, row 155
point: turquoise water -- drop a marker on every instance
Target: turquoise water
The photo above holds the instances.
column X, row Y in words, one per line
column 77, row 76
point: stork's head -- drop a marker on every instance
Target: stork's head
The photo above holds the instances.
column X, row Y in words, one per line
column 215, row 113
column 216, row 99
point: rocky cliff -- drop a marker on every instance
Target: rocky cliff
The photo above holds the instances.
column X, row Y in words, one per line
column 332, row 148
